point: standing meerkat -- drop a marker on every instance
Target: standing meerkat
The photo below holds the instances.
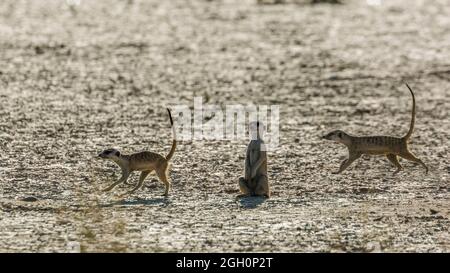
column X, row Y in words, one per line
column 391, row 147
column 255, row 181
column 145, row 162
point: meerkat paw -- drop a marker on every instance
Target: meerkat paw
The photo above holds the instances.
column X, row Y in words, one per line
column 127, row 193
column 242, row 195
column 397, row 171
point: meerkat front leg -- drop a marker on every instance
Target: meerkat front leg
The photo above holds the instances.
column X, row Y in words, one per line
column 394, row 160
column 341, row 167
column 351, row 158
column 126, row 182
column 142, row 177
column 125, row 175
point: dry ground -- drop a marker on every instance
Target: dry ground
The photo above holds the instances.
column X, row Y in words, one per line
column 77, row 79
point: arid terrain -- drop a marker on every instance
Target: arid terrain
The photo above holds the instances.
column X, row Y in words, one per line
column 77, row 77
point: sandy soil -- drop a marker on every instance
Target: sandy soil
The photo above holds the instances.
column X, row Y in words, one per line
column 78, row 79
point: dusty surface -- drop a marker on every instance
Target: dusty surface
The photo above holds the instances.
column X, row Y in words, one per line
column 77, row 79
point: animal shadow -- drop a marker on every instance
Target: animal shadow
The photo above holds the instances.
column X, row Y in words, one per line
column 251, row 202
column 138, row 201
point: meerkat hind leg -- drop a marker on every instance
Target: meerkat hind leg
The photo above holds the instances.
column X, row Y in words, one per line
column 394, row 160
column 243, row 186
column 409, row 156
column 162, row 175
column 262, row 188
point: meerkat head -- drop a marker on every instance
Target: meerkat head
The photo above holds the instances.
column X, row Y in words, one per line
column 338, row 136
column 256, row 129
column 111, row 154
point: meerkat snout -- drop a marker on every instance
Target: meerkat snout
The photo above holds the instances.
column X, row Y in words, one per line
column 256, row 129
column 109, row 153
column 338, row 136
column 327, row 136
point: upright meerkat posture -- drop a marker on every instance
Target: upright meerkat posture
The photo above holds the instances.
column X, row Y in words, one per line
column 389, row 146
column 145, row 162
column 255, row 181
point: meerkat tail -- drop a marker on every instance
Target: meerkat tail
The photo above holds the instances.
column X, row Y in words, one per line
column 413, row 114
column 174, row 142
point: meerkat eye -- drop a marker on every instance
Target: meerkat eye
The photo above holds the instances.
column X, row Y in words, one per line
column 339, row 134
column 117, row 153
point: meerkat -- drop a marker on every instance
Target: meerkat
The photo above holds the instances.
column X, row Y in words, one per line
column 391, row 147
column 145, row 162
column 255, row 181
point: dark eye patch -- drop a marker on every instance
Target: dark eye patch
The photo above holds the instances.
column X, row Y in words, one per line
column 339, row 134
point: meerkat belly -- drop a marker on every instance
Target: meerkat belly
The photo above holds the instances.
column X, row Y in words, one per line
column 254, row 156
column 378, row 145
column 142, row 166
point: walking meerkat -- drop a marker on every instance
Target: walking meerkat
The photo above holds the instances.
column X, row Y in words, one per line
column 391, row 147
column 145, row 162
column 255, row 180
